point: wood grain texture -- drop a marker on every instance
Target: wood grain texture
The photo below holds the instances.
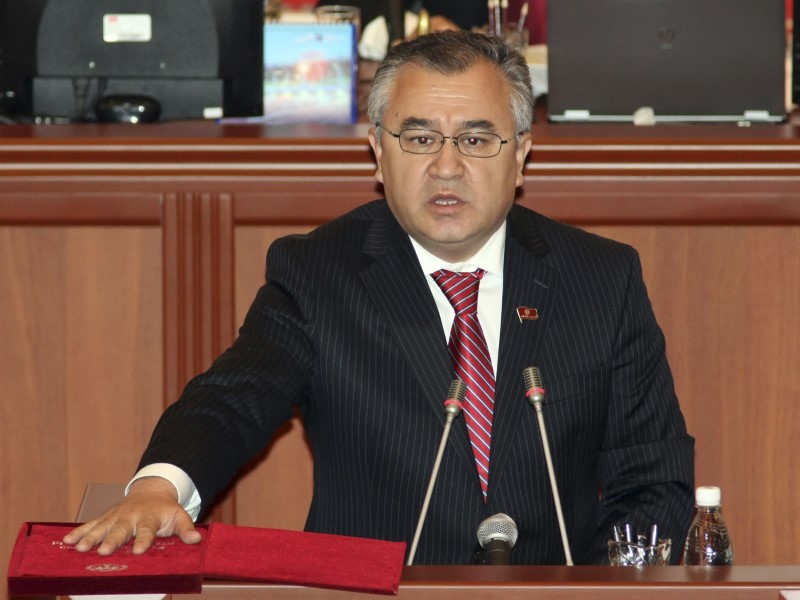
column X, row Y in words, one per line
column 78, row 304
column 198, row 293
column 548, row 583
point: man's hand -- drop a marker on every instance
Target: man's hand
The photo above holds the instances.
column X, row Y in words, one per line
column 150, row 510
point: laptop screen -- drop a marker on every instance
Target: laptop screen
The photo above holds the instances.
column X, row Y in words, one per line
column 687, row 60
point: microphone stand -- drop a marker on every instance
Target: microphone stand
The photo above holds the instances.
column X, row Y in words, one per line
column 535, row 394
column 452, row 406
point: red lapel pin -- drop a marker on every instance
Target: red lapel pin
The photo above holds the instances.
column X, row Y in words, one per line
column 527, row 314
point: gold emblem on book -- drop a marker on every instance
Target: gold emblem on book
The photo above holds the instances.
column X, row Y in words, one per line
column 106, row 568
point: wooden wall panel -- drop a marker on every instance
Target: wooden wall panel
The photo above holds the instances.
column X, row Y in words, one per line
column 198, row 285
column 77, row 304
column 198, row 293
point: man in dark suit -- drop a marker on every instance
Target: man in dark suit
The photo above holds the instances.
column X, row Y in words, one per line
column 352, row 327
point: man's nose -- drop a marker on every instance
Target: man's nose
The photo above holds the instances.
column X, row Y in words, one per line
column 448, row 162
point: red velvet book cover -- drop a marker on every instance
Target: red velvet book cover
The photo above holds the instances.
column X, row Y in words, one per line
column 311, row 559
column 41, row 564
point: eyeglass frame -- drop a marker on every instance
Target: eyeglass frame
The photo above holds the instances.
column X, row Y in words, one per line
column 454, row 140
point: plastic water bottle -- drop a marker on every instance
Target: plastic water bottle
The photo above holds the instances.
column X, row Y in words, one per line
column 708, row 541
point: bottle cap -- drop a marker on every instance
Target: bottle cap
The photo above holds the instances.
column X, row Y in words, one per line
column 707, row 495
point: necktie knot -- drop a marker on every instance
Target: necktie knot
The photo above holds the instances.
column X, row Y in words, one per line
column 461, row 289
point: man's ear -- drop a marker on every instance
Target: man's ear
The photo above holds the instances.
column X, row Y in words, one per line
column 523, row 149
column 378, row 150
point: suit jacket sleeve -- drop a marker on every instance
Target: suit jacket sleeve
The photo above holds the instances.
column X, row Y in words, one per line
column 646, row 458
column 228, row 414
column 618, row 439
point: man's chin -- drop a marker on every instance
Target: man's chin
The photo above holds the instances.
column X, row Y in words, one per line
column 452, row 248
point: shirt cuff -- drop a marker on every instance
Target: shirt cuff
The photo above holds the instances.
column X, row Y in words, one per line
column 188, row 496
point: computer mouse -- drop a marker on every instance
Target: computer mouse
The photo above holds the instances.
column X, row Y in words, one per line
column 127, row 109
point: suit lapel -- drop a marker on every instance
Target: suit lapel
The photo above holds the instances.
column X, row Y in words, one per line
column 409, row 312
column 528, row 282
column 395, row 281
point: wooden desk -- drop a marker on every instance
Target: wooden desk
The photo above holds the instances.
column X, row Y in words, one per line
column 551, row 583
column 128, row 255
column 596, row 174
column 668, row 160
column 486, row 583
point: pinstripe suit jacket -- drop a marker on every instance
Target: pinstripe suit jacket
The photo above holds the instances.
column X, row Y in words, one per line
column 346, row 329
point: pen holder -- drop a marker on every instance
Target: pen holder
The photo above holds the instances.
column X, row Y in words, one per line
column 631, row 554
column 516, row 37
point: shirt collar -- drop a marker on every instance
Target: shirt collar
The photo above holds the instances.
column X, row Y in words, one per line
column 489, row 257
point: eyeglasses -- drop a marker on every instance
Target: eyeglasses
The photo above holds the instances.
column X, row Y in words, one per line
column 477, row 144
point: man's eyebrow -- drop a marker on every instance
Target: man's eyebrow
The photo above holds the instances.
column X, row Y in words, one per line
column 470, row 125
column 478, row 125
column 417, row 123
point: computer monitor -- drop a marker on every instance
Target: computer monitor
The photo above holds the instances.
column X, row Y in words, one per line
column 193, row 58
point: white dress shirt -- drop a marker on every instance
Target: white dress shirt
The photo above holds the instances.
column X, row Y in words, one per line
column 490, row 295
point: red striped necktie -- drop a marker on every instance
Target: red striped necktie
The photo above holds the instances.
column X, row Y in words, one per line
column 471, row 362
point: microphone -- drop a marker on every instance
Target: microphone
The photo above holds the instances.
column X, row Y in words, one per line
column 452, row 408
column 497, row 536
column 535, row 395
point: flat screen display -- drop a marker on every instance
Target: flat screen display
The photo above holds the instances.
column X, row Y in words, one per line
column 193, row 58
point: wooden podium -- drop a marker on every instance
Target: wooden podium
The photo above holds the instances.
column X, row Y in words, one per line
column 551, row 583
column 506, row 583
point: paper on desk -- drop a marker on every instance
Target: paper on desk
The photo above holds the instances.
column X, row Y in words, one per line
column 536, row 57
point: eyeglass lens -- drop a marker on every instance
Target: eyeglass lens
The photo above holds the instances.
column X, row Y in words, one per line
column 424, row 141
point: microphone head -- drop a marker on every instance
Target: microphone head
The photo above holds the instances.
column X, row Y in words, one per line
column 533, row 385
column 498, row 527
column 455, row 398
